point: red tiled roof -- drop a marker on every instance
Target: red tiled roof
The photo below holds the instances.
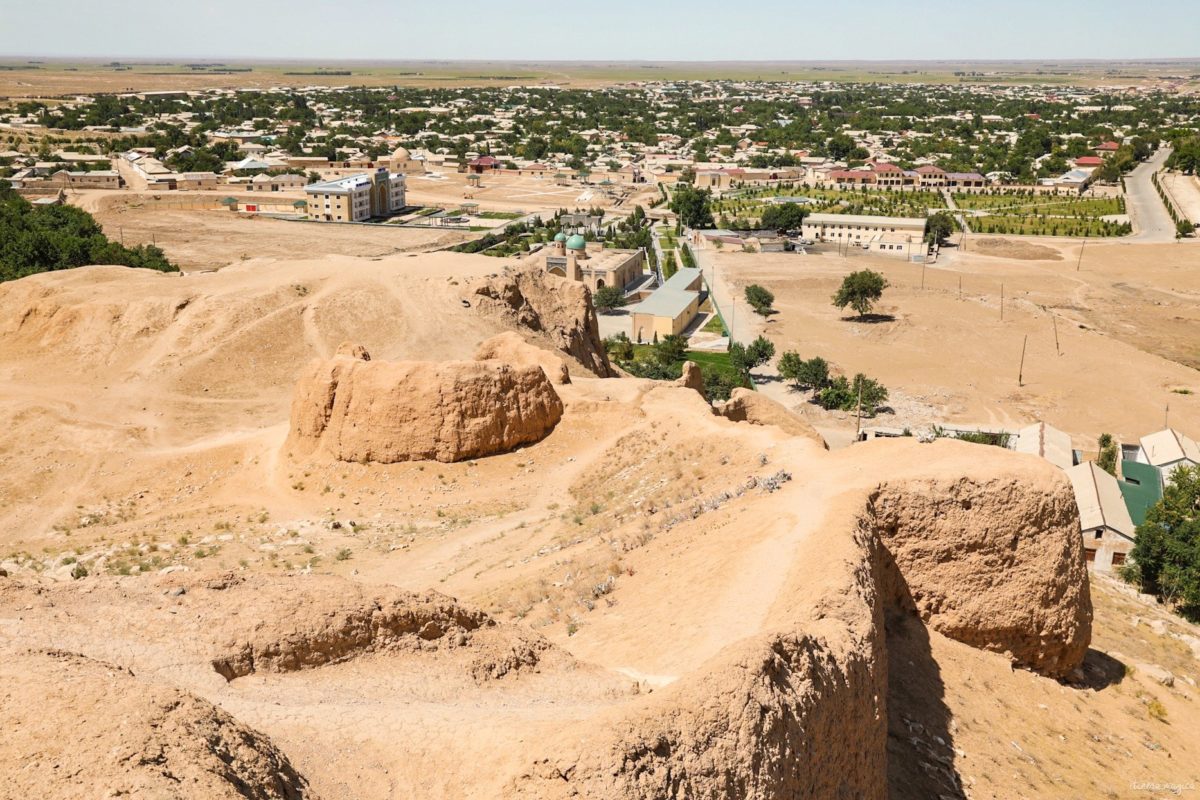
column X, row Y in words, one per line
column 1089, row 161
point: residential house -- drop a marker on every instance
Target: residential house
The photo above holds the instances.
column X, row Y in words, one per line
column 1108, row 532
column 1167, row 450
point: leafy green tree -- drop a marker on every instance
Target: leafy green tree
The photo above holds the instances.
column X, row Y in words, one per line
column 619, row 347
column 40, row 239
column 844, row 395
column 783, row 217
column 739, row 358
column 760, row 299
column 1107, row 458
column 608, row 298
column 789, row 367
column 939, row 227
column 860, row 291
column 810, row 374
column 719, row 385
column 671, row 349
column 840, row 147
column 760, row 351
column 1166, row 550
column 692, row 206
column 1184, row 228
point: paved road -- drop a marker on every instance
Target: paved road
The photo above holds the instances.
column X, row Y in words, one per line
column 1151, row 222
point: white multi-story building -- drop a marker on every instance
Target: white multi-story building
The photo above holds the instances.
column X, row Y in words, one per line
column 356, row 198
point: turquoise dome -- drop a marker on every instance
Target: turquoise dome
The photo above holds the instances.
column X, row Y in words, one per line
column 560, row 237
column 576, row 242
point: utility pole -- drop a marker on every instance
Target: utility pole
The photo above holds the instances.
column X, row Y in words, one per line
column 1079, row 264
column 960, row 287
column 1167, row 416
column 1054, row 321
column 1002, row 302
column 858, row 414
column 922, row 274
column 1021, row 371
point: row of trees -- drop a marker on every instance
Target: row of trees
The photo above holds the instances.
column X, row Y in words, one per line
column 829, row 391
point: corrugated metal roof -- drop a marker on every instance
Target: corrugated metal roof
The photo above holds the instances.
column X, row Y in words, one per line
column 1168, row 446
column 1143, row 494
column 1100, row 501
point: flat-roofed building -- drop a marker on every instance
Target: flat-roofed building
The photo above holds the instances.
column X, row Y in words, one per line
column 356, row 198
column 858, row 228
column 86, row 179
column 1108, row 532
column 199, row 180
column 671, row 308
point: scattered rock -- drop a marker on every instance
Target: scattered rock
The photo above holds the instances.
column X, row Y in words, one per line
column 1156, row 673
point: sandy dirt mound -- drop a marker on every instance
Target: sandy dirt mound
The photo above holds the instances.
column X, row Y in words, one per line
column 288, row 626
column 511, row 349
column 1015, row 249
column 375, row 411
column 747, row 405
column 996, row 564
column 128, row 738
column 555, row 307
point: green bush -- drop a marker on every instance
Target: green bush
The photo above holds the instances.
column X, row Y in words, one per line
column 760, row 299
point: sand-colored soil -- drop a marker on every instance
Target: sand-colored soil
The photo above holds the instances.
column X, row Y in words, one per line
column 210, row 238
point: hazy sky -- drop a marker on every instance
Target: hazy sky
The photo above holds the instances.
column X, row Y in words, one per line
column 617, row 29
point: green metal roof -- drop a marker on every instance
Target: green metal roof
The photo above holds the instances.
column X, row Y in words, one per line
column 576, row 242
column 1144, row 493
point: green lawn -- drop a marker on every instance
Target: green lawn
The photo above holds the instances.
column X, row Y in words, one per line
column 714, row 325
column 718, row 362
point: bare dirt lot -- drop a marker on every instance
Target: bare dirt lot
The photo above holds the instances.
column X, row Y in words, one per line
column 1127, row 325
column 525, row 193
column 212, row 238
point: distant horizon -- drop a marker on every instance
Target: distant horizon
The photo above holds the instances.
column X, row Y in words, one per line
column 622, row 31
column 230, row 58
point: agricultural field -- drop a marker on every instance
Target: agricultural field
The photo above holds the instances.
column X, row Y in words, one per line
column 749, row 204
